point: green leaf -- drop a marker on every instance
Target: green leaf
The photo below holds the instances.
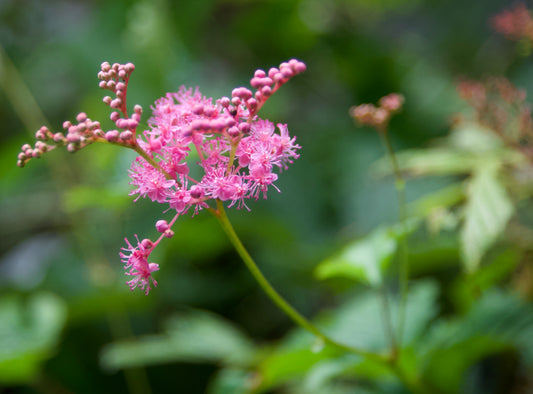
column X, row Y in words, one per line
column 496, row 322
column 231, row 381
column 196, row 336
column 435, row 161
column 29, row 332
column 487, row 211
column 357, row 322
column 366, row 259
column 467, row 288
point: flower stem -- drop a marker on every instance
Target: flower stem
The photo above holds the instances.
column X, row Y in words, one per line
column 152, row 162
column 402, row 216
column 294, row 315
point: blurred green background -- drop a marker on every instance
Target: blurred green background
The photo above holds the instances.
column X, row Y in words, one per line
column 63, row 218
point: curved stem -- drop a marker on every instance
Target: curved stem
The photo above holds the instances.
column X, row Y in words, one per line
column 294, row 315
column 402, row 216
column 152, row 162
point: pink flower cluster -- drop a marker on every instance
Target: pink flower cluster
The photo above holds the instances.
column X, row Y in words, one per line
column 515, row 23
column 194, row 151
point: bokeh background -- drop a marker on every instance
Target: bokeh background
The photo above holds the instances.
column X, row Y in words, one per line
column 63, row 218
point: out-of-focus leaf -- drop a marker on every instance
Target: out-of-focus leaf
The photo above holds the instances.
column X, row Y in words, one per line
column 487, row 212
column 356, row 323
column 435, row 161
column 468, row 287
column 366, row 259
column 29, row 332
column 359, row 321
column 445, row 197
column 497, row 322
column 287, row 364
column 231, row 381
column 473, row 138
column 196, row 336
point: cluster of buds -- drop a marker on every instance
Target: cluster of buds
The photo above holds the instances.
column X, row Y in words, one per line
column 77, row 136
column 378, row 117
column 501, row 107
column 115, row 78
column 237, row 152
column 514, row 23
column 86, row 131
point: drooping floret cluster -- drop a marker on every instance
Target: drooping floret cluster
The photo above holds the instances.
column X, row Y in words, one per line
column 236, row 153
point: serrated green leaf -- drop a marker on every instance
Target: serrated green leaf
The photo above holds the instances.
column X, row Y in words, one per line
column 366, row 259
column 196, row 336
column 29, row 331
column 487, row 211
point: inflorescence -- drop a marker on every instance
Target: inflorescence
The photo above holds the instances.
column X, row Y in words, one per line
column 238, row 153
column 378, row 117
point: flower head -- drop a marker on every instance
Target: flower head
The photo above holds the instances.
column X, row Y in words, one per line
column 136, row 264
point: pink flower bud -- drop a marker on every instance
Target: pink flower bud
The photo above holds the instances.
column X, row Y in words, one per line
column 122, row 123
column 210, row 111
column 251, row 103
column 147, row 244
column 126, row 135
column 66, row 124
column 58, row 137
column 99, row 133
column 224, row 102
column 169, row 233
column 138, row 109
column 72, row 137
column 229, row 122
column 198, row 109
column 259, row 73
column 234, row 132
column 114, row 116
column 111, row 135
column 273, row 71
column 81, row 117
column 266, row 91
column 161, row 226
column 196, row 191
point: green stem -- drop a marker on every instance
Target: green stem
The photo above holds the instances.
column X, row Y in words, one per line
column 402, row 215
column 294, row 315
column 387, row 323
column 152, row 162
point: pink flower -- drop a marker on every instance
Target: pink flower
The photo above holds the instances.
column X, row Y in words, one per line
column 150, row 182
column 137, row 264
column 224, row 144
